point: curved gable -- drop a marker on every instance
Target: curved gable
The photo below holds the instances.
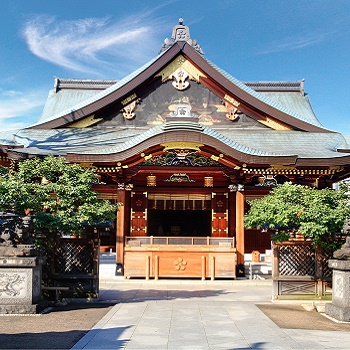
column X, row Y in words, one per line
column 234, row 93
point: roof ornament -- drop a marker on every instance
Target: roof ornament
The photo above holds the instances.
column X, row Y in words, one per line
column 181, row 33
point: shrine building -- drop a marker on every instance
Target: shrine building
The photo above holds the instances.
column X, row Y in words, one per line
column 183, row 146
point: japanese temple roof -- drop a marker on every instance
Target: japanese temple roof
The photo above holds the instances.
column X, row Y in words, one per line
column 72, row 100
column 53, row 111
column 259, row 143
column 74, row 94
column 69, row 94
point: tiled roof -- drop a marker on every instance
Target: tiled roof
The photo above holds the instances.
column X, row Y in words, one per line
column 67, row 101
column 252, row 142
column 262, row 97
column 49, row 117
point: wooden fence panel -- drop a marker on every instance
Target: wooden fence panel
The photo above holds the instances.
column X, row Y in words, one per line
column 76, row 265
column 300, row 268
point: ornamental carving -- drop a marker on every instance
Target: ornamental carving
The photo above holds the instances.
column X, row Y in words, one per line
column 183, row 67
column 267, row 180
column 181, row 33
column 179, row 177
column 181, row 158
column 129, row 110
column 179, row 79
column 10, row 284
column 232, row 111
column 180, row 264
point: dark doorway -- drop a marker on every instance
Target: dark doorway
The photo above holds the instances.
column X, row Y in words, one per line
column 179, row 222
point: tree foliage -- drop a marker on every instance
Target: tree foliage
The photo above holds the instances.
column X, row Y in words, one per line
column 59, row 195
column 316, row 214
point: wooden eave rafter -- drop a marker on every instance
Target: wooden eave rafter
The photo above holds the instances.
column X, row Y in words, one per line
column 250, row 105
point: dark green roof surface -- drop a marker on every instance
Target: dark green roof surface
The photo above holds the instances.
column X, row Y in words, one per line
column 251, row 142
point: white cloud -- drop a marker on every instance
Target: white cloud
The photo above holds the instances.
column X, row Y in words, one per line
column 323, row 33
column 297, row 42
column 18, row 109
column 94, row 45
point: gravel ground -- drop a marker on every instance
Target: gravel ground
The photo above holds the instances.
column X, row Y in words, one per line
column 292, row 316
column 59, row 328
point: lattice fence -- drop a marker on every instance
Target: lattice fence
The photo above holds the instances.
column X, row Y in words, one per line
column 75, row 265
column 299, row 268
column 74, row 258
column 296, row 260
column 303, row 260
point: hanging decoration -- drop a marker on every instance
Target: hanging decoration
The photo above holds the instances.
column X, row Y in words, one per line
column 208, row 181
column 151, row 180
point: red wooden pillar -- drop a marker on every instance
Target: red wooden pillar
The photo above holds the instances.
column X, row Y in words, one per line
column 120, row 235
column 240, row 226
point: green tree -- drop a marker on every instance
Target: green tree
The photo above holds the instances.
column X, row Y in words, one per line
column 58, row 195
column 289, row 209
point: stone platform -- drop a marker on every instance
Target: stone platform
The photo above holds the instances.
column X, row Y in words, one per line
column 339, row 309
column 20, row 285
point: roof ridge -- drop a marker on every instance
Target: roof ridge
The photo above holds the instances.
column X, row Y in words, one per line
column 277, row 85
column 90, row 84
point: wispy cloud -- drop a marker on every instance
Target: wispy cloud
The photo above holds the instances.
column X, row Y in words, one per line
column 297, row 42
column 338, row 27
column 18, row 110
column 94, row 45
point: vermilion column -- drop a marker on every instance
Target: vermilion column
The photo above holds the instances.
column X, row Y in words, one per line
column 120, row 239
column 240, row 227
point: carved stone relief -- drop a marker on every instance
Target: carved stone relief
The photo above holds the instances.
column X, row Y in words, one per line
column 12, row 285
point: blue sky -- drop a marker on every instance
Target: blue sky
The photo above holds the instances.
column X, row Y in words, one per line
column 254, row 40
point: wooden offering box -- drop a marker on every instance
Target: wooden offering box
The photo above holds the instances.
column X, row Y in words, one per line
column 192, row 257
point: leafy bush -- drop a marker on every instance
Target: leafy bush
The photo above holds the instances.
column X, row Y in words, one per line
column 57, row 194
column 289, row 209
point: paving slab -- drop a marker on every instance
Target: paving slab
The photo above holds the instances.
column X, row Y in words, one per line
column 177, row 314
column 199, row 315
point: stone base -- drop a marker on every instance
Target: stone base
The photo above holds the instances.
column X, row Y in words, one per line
column 338, row 313
column 23, row 309
column 20, row 285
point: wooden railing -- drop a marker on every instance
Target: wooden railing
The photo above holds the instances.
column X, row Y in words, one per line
column 139, row 241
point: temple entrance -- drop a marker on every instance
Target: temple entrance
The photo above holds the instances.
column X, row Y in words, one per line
column 179, row 235
column 195, row 223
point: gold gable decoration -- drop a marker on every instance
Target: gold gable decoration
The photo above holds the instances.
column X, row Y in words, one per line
column 84, row 123
column 183, row 66
column 180, row 145
column 275, row 124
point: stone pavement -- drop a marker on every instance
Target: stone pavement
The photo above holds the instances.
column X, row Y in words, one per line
column 180, row 314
